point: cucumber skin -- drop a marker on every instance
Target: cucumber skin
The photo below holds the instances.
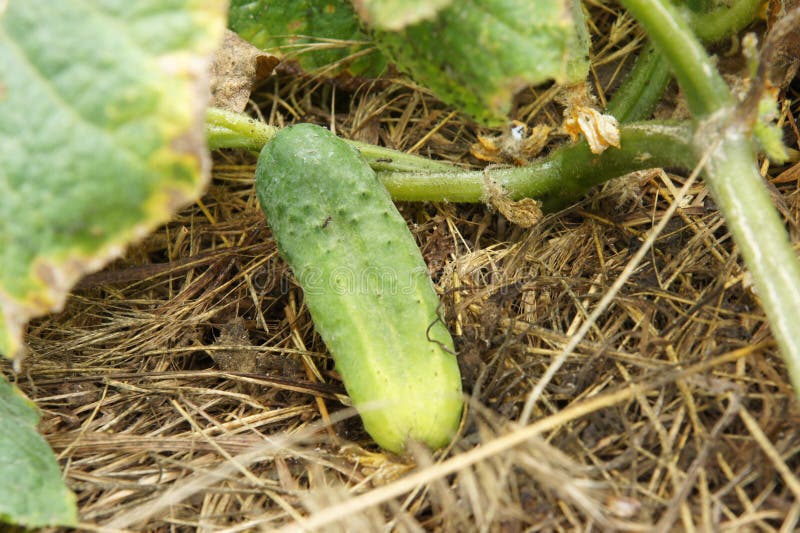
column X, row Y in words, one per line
column 338, row 230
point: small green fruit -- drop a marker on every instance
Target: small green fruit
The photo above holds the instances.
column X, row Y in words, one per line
column 365, row 283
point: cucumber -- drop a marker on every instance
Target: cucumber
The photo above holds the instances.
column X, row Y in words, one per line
column 365, row 283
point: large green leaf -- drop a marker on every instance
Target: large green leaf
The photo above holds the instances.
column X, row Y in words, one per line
column 101, row 136
column 317, row 33
column 476, row 54
column 32, row 492
column 397, row 14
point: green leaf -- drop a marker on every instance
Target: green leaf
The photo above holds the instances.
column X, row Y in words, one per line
column 102, row 107
column 34, row 495
column 397, row 14
column 317, row 33
column 476, row 54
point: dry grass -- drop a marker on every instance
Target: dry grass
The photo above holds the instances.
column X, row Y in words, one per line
column 183, row 388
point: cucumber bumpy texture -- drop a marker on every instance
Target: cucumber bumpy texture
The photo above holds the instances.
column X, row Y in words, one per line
column 365, row 283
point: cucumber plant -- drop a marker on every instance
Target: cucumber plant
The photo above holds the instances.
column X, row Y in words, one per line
column 365, row 283
column 720, row 140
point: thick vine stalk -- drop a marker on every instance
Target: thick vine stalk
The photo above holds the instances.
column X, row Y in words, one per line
column 558, row 179
column 731, row 174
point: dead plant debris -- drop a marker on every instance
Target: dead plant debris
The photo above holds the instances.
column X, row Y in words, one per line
column 183, row 388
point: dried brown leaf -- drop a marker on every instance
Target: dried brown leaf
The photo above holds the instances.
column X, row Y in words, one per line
column 238, row 66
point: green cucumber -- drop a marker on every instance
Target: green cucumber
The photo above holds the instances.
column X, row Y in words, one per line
column 365, row 283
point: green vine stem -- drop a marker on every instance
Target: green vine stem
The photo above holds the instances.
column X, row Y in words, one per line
column 733, row 179
column 558, row 179
column 703, row 86
column 386, row 159
column 226, row 129
column 724, row 20
column 642, row 88
column 731, row 175
column 562, row 177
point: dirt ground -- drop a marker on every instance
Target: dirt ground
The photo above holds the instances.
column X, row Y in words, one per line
column 184, row 388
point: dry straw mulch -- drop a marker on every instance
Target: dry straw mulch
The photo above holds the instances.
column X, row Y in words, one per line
column 184, row 387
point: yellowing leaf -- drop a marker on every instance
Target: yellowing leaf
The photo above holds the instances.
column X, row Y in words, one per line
column 101, row 136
